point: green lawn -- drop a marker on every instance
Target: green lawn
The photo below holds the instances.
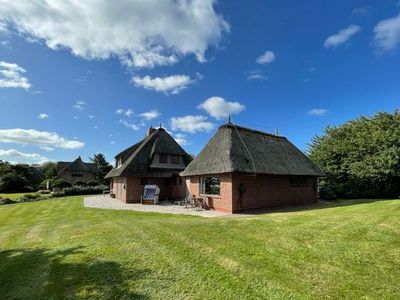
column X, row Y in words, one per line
column 58, row 249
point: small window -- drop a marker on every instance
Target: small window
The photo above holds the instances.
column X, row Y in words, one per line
column 298, row 181
column 211, row 185
column 163, row 158
column 174, row 159
column 76, row 174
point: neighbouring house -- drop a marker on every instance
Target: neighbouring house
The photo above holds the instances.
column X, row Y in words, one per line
column 76, row 170
column 241, row 169
column 157, row 159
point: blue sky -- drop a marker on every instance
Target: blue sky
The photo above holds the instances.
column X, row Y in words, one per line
column 77, row 79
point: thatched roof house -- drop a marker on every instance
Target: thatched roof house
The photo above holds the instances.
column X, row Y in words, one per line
column 242, row 168
column 157, row 159
column 77, row 170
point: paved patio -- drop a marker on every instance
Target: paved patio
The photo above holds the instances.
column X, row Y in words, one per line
column 106, row 202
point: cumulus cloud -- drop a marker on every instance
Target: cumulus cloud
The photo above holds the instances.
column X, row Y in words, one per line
column 43, row 116
column 127, row 112
column 79, row 105
column 170, row 84
column 267, row 58
column 149, row 115
column 191, row 124
column 219, row 108
column 318, row 112
column 21, row 157
column 180, row 138
column 38, row 138
column 140, row 33
column 11, row 76
column 342, row 36
column 129, row 125
column 387, row 34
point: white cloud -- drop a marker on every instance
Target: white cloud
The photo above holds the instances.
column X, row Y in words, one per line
column 191, row 124
column 361, row 11
column 21, row 157
column 79, row 105
column 129, row 125
column 48, row 149
column 318, row 112
column 140, row 33
column 37, row 138
column 11, row 76
column 342, row 36
column 149, row 115
column 170, row 84
column 127, row 112
column 256, row 75
column 218, row 108
column 91, row 117
column 387, row 34
column 43, row 116
column 180, row 139
column 267, row 58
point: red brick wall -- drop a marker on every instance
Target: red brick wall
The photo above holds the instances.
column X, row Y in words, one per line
column 134, row 190
column 219, row 203
column 261, row 191
column 118, row 189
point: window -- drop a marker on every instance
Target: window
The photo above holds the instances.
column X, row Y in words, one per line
column 211, row 185
column 76, row 173
column 298, row 181
column 143, row 181
column 163, row 158
column 174, row 159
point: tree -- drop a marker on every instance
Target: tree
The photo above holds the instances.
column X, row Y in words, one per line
column 103, row 167
column 360, row 158
column 49, row 169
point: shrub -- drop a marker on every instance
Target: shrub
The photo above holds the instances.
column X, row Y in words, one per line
column 92, row 183
column 82, row 190
column 4, row 201
column 28, row 198
column 61, row 183
column 44, row 192
column 79, row 183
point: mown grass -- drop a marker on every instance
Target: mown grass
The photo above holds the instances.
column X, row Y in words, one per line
column 58, row 249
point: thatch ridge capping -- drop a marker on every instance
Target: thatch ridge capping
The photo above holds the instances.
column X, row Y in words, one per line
column 231, row 125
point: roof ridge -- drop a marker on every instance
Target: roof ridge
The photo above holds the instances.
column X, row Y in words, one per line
column 232, row 125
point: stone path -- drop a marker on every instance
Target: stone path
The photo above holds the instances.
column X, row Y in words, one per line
column 106, row 202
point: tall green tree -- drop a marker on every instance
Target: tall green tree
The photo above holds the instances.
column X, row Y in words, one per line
column 360, row 158
column 49, row 169
column 103, row 166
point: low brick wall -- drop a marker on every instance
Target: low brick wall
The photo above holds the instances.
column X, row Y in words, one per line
column 243, row 192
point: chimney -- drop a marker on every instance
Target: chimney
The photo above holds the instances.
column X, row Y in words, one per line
column 150, row 131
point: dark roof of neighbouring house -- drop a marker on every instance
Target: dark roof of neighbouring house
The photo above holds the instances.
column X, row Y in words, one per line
column 76, row 165
column 234, row 149
column 137, row 158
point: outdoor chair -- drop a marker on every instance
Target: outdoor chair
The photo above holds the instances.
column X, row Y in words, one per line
column 150, row 194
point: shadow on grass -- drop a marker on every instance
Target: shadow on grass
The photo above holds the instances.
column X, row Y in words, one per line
column 44, row 274
column 322, row 204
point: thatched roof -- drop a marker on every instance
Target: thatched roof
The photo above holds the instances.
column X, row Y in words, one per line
column 76, row 165
column 136, row 159
column 234, row 149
